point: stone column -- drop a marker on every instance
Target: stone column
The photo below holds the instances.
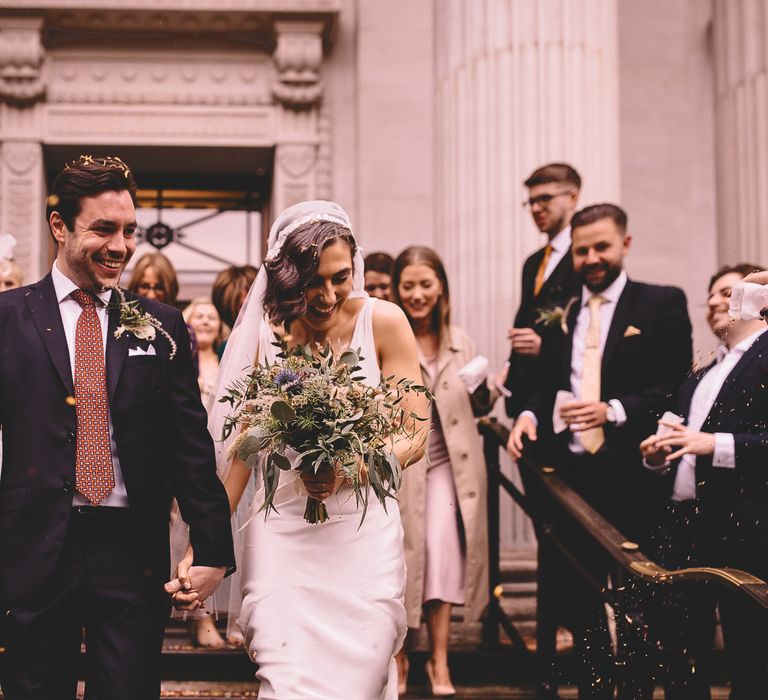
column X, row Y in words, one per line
column 22, row 177
column 298, row 89
column 519, row 83
column 741, row 112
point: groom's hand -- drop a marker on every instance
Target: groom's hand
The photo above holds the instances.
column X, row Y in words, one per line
column 193, row 584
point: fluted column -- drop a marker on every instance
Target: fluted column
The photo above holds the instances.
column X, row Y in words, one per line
column 741, row 108
column 519, row 83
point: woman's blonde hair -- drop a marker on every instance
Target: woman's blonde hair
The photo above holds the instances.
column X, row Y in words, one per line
column 189, row 309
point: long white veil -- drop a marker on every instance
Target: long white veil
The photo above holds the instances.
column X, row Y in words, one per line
column 250, row 332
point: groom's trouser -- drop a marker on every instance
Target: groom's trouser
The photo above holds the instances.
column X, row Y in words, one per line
column 100, row 592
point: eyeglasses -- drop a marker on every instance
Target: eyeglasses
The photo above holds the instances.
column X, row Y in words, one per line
column 543, row 200
column 146, row 287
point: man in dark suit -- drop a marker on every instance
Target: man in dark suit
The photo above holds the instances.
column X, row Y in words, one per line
column 714, row 469
column 622, row 350
column 548, row 280
column 102, row 425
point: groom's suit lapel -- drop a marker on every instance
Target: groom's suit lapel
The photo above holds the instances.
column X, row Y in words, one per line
column 44, row 308
column 117, row 348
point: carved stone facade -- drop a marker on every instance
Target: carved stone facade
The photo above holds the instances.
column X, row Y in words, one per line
column 22, row 58
column 213, row 75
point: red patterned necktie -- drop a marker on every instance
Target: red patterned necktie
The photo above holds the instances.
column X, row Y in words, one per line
column 94, row 474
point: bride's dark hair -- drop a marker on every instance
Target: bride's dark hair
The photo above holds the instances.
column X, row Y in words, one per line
column 289, row 274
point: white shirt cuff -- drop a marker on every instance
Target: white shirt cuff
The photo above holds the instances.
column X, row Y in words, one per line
column 530, row 415
column 725, row 451
column 619, row 412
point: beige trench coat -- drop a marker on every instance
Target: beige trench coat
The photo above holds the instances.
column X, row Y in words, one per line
column 469, row 475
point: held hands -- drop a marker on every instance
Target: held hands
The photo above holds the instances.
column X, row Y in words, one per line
column 525, row 341
column 524, row 426
column 193, row 584
column 687, row 441
column 584, row 415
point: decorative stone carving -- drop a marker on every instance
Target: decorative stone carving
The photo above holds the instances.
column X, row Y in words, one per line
column 295, row 174
column 20, row 156
column 324, row 156
column 22, row 191
column 296, row 160
column 22, row 78
column 298, row 57
column 176, row 77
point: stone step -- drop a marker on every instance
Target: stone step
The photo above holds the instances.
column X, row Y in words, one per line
column 249, row 691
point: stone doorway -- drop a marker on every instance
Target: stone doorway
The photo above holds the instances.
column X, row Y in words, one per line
column 203, row 208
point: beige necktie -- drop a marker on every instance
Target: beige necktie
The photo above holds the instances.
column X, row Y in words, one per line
column 593, row 439
column 538, row 282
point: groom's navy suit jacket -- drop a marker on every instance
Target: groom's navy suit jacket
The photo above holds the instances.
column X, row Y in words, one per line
column 159, row 427
column 734, row 502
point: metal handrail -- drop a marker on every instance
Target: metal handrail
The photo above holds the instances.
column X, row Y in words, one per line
column 625, row 553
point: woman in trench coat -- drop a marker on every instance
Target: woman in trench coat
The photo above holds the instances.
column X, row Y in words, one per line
column 443, row 498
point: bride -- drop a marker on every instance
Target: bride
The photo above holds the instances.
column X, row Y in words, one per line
column 322, row 611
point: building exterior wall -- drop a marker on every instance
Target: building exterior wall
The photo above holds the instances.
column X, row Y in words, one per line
column 668, row 185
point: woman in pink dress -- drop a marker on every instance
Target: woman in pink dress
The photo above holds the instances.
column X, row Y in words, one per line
column 443, row 498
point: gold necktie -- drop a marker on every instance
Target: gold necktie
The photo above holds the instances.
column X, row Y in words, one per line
column 538, row 283
column 593, row 439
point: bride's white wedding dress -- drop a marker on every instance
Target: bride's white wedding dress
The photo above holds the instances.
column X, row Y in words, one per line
column 323, row 605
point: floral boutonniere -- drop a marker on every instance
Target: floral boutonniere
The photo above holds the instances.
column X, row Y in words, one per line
column 141, row 323
column 557, row 316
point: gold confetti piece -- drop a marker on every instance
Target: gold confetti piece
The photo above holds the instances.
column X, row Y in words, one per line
column 70, row 400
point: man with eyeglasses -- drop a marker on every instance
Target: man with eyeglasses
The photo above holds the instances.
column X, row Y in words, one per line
column 548, row 279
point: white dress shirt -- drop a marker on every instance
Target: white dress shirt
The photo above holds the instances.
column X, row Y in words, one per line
column 70, row 312
column 701, row 404
column 561, row 245
column 607, row 309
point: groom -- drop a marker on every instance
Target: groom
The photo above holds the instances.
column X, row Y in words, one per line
column 102, row 425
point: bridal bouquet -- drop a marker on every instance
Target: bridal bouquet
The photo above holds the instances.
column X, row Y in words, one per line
column 308, row 411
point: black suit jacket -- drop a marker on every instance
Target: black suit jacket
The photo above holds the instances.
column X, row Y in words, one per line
column 735, row 501
column 643, row 370
column 159, row 426
column 559, row 287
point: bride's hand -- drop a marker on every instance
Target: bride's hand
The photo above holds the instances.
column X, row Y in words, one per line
column 323, row 484
column 180, row 587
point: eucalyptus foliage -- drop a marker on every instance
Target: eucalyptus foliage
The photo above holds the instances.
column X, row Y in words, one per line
column 309, row 410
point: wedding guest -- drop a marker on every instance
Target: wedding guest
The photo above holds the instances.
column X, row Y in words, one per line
column 378, row 275
column 204, row 319
column 713, row 467
column 621, row 350
column 443, row 498
column 548, row 279
column 153, row 277
column 228, row 294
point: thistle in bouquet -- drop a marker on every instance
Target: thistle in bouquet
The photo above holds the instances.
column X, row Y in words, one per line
column 311, row 410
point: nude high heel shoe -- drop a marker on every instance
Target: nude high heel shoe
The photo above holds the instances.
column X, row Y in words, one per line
column 439, row 690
